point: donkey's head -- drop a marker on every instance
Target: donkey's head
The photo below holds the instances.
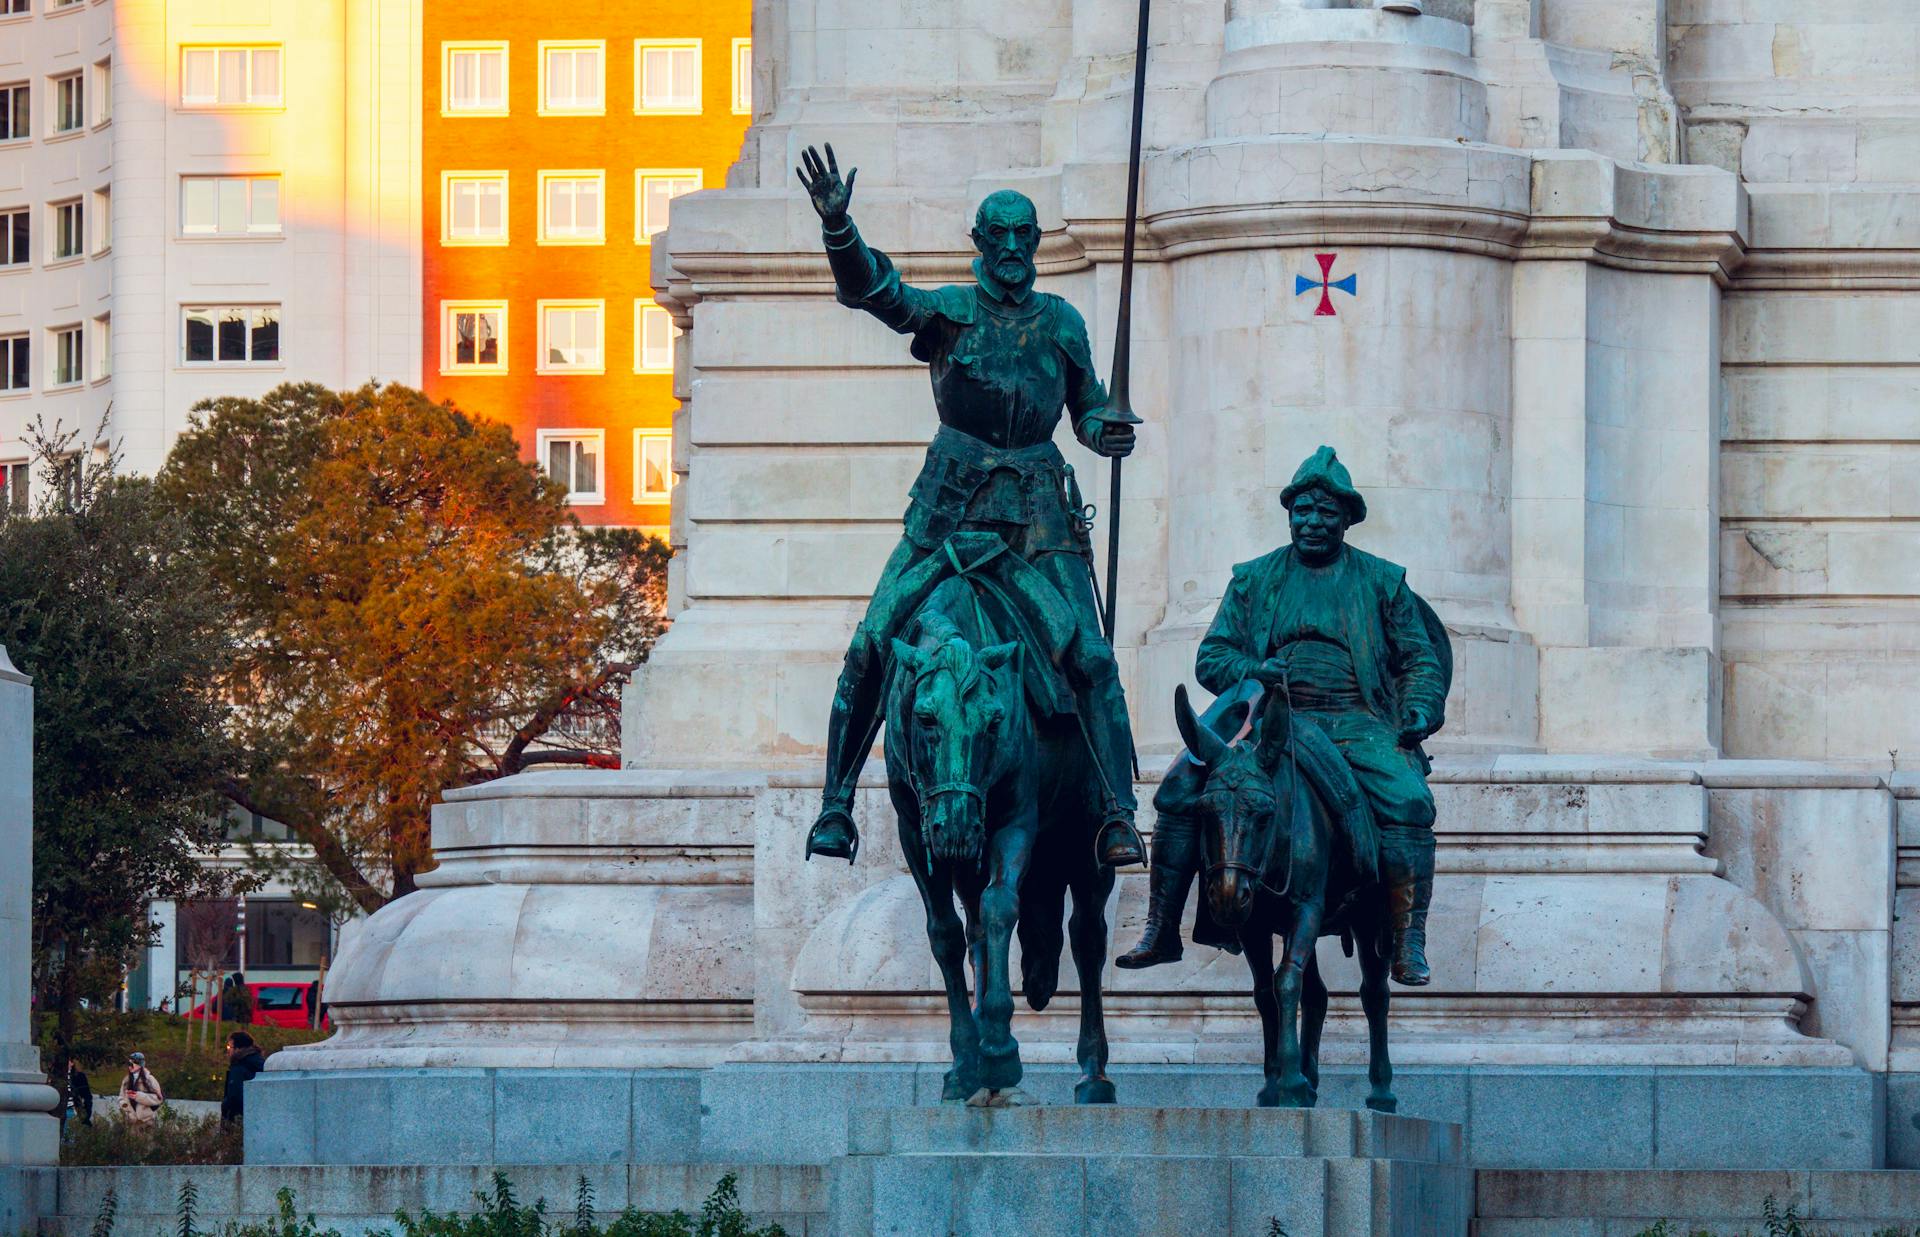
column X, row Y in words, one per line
column 1238, row 806
column 960, row 705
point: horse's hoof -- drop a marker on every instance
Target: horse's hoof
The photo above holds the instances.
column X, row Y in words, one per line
column 957, row 1087
column 1383, row 1103
column 1095, row 1091
column 1297, row 1094
column 1270, row 1094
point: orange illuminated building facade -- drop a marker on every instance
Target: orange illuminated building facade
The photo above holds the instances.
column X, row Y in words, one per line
column 554, row 141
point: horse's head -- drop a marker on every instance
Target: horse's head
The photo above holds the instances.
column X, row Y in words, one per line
column 1238, row 806
column 959, row 706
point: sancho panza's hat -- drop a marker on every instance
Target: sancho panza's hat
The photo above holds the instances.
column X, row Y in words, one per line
column 1324, row 471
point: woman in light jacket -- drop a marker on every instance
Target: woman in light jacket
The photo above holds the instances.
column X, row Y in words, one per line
column 140, row 1094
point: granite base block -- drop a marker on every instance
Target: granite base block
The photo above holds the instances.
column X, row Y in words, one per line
column 1513, row 1117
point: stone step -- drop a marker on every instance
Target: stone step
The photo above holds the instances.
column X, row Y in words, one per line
column 1612, row 1203
column 990, row 1195
column 1112, row 1130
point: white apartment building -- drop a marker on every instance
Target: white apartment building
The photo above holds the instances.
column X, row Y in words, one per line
column 201, row 198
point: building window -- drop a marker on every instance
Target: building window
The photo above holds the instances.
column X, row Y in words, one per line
column 653, row 349
column 656, row 188
column 230, row 77
column 15, row 367
column 16, row 237
column 16, row 112
column 231, row 335
column 69, row 360
column 14, row 8
column 473, row 79
column 69, row 230
column 103, row 347
column 64, row 4
column 571, row 338
column 669, row 76
column 102, row 92
column 572, row 458
column 69, row 103
column 652, row 467
column 103, row 219
column 473, row 208
column 230, row 205
column 473, row 337
column 573, row 79
column 572, row 208
column 13, row 485
column 742, row 77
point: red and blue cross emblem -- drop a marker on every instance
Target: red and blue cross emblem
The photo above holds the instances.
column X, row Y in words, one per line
column 1326, row 284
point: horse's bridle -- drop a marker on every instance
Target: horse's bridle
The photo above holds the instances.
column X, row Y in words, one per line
column 1257, row 875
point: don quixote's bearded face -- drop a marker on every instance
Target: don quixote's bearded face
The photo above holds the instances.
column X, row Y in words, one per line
column 957, row 717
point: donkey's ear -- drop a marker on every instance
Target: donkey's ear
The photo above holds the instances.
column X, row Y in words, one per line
column 1205, row 746
column 1276, row 730
column 907, row 655
column 995, row 656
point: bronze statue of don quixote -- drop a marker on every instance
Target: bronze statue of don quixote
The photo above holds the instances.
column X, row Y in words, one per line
column 1300, row 801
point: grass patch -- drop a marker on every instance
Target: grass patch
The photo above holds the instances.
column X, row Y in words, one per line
column 170, row 1138
column 187, row 1069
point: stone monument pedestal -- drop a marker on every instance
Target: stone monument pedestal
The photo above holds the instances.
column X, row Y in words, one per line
column 1148, row 1172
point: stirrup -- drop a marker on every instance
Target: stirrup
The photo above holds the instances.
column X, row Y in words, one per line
column 1118, row 843
column 834, row 835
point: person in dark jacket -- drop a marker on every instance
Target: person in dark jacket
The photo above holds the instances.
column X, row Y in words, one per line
column 244, row 1060
column 79, row 1093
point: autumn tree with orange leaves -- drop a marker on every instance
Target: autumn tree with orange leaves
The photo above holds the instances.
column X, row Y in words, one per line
column 416, row 610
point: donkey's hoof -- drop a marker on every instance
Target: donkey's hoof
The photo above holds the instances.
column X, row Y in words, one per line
column 1270, row 1094
column 1383, row 1103
column 1095, row 1091
column 1011, row 1097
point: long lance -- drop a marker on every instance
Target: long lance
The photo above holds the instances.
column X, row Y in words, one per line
column 1120, row 393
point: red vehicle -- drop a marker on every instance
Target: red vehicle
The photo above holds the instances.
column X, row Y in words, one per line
column 277, row 1005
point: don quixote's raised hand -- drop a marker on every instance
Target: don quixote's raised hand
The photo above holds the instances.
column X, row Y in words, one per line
column 830, row 194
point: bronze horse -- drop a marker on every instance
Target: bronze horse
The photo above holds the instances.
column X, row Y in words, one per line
column 1277, row 864
column 998, row 807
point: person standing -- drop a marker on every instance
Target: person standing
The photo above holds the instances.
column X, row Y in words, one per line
column 244, row 1060
column 79, row 1093
column 140, row 1093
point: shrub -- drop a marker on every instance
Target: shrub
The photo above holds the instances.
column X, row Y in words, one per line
column 171, row 1138
column 501, row 1214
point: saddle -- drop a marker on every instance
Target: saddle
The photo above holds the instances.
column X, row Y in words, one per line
column 1016, row 598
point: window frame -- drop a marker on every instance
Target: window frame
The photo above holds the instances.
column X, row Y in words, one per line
column 100, row 206
column 642, row 307
column 249, row 179
column 6, row 109
column 640, row 48
column 9, row 13
column 55, row 231
column 447, row 180
column 6, row 239
column 742, row 104
column 594, row 498
column 58, row 84
column 250, row 104
column 641, row 234
column 450, row 368
column 448, row 47
column 16, row 502
column 101, row 88
column 641, row 494
column 546, row 177
column 280, row 343
column 56, row 337
column 543, row 364
column 102, row 349
column 546, row 106
column 25, row 339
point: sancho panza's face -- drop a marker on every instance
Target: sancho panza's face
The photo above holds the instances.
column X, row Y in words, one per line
column 1319, row 524
column 1006, row 231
